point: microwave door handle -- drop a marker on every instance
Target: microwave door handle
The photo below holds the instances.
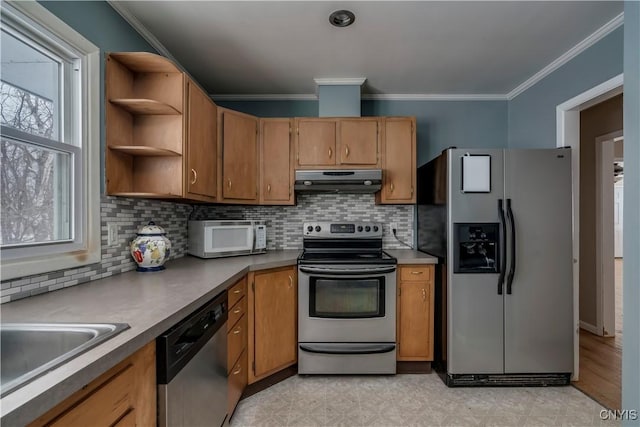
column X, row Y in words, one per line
column 252, row 237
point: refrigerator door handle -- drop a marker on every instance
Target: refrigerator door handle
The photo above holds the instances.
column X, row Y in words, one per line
column 502, row 261
column 512, row 265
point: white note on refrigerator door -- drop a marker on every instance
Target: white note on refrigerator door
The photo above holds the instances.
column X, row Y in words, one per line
column 476, row 173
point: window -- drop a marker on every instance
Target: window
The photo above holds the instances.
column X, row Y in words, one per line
column 49, row 146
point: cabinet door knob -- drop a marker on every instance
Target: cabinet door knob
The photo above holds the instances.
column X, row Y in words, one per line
column 424, row 294
column 330, row 152
column 392, row 187
column 290, row 282
column 195, row 176
column 229, row 183
column 268, row 188
column 346, row 151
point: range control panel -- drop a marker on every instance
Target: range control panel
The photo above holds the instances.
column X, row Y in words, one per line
column 348, row 230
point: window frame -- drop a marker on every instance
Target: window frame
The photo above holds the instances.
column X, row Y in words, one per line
column 81, row 136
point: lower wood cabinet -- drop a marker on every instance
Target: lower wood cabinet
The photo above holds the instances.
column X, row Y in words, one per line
column 236, row 343
column 415, row 304
column 272, row 315
column 123, row 396
column 237, row 382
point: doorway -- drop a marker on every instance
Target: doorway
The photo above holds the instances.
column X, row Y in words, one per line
column 582, row 121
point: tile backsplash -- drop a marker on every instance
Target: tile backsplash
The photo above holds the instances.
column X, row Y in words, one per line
column 284, row 223
column 129, row 215
column 284, row 231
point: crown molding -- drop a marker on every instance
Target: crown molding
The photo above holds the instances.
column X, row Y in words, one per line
column 144, row 32
column 433, row 97
column 356, row 81
column 364, row 97
column 592, row 39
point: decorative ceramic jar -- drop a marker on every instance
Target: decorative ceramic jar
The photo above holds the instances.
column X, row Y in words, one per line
column 151, row 248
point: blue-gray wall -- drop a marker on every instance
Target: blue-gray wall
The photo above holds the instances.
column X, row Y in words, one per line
column 306, row 108
column 339, row 100
column 104, row 27
column 631, row 287
column 532, row 114
column 440, row 124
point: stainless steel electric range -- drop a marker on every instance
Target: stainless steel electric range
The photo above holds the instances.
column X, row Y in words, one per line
column 346, row 300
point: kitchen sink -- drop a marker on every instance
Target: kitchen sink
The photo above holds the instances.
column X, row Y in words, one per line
column 28, row 350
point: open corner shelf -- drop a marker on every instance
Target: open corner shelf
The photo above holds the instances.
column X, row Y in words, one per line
column 145, row 62
column 146, row 195
column 145, row 106
column 143, row 151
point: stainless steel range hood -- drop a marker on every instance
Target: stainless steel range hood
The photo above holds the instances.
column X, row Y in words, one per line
column 339, row 181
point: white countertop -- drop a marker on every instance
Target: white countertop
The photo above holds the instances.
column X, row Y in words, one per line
column 149, row 302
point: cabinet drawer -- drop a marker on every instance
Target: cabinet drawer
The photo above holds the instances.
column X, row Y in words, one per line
column 415, row 273
column 236, row 342
column 236, row 312
column 237, row 382
column 105, row 406
column 237, row 291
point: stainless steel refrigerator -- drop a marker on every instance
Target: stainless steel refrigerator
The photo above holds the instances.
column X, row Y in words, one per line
column 500, row 222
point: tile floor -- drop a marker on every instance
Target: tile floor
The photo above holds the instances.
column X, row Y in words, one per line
column 412, row 400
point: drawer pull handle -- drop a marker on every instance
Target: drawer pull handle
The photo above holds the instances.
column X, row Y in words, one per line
column 417, row 272
column 290, row 282
column 229, row 182
column 330, row 152
column 392, row 187
column 237, row 331
column 268, row 188
column 237, row 372
column 346, row 150
column 195, row 176
column 236, row 311
column 237, row 291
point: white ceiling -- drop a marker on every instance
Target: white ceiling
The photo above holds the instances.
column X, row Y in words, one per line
column 276, row 47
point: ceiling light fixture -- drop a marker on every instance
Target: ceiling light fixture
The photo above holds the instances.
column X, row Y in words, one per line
column 342, row 18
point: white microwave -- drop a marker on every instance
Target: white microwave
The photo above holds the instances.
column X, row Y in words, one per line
column 213, row 239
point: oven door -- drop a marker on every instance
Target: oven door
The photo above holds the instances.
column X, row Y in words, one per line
column 346, row 303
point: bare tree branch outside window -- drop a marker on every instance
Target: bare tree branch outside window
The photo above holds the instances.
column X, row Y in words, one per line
column 27, row 171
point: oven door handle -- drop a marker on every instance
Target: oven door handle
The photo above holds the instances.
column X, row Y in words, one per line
column 347, row 271
column 348, row 348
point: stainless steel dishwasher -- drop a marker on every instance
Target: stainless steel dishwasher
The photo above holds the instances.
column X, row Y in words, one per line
column 192, row 368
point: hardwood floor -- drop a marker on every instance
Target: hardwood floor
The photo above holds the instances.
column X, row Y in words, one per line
column 601, row 358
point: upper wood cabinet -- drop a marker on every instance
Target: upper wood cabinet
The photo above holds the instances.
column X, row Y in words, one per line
column 144, row 126
column 315, row 143
column 398, row 161
column 335, row 143
column 238, row 154
column 201, row 173
column 160, row 131
column 358, row 142
column 415, row 313
column 272, row 313
column 276, row 162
